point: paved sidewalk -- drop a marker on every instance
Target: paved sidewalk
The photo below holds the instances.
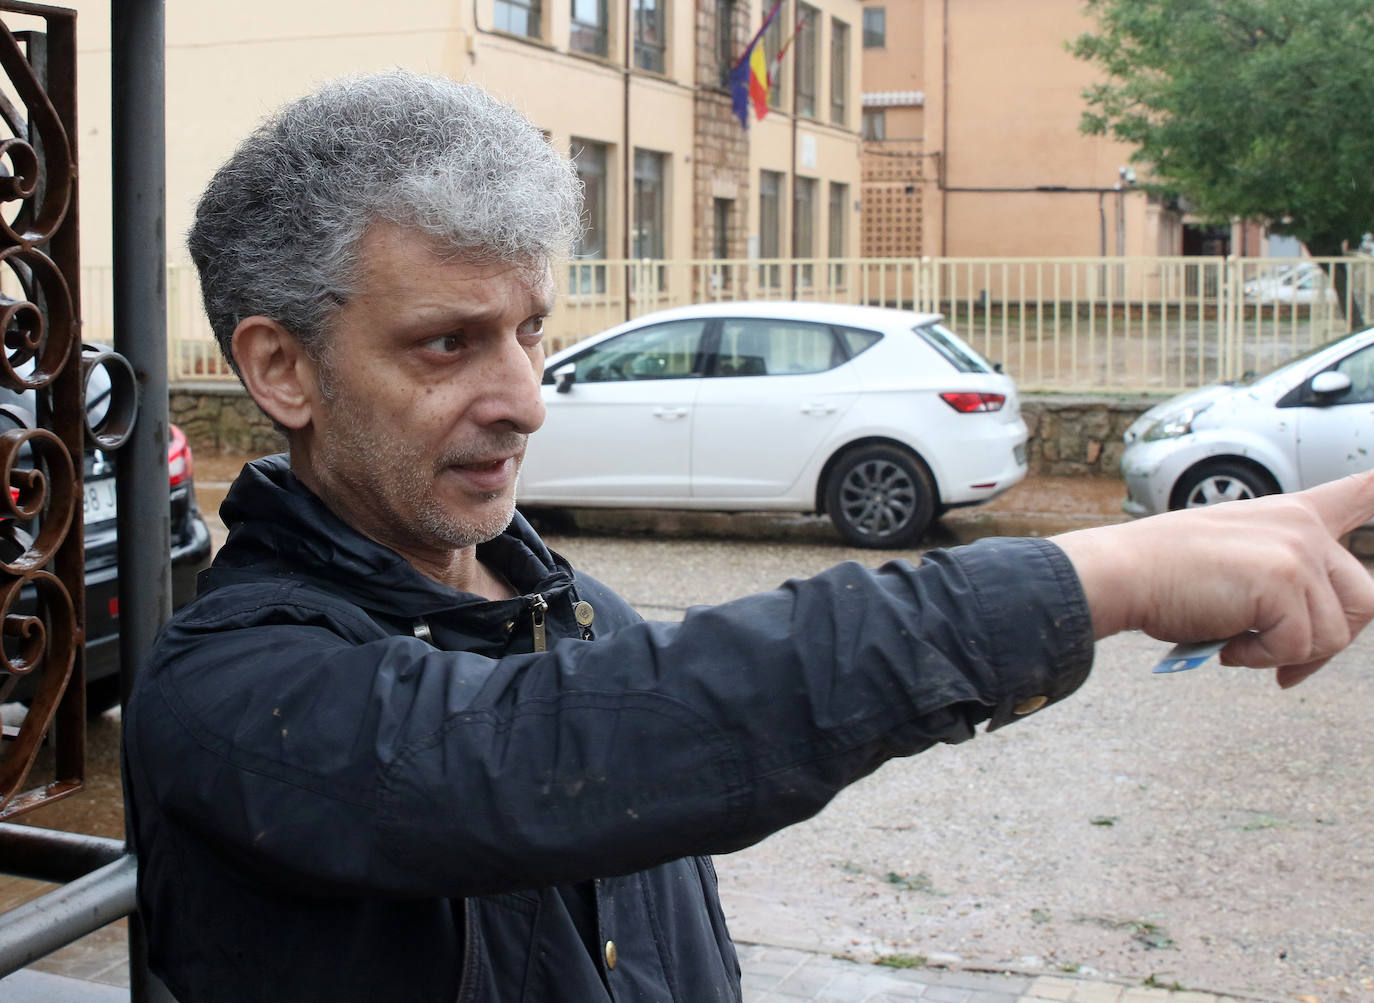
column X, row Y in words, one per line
column 784, row 975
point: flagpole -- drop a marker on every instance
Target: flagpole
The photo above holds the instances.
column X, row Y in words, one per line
column 758, row 34
column 777, row 60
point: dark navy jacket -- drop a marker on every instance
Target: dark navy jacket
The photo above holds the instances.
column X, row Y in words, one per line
column 349, row 782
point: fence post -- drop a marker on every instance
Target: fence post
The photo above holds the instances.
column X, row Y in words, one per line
column 1231, row 306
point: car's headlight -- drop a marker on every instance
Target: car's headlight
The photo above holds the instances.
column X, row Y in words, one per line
column 1173, row 424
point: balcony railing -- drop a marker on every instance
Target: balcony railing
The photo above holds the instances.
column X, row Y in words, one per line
column 1155, row 325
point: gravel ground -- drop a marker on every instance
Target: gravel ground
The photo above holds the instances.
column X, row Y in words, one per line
column 1201, row 830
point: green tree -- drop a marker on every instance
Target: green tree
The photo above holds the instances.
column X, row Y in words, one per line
column 1257, row 109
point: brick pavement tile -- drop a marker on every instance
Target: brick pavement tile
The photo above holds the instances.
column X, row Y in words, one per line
column 115, row 974
column 1192, row 996
column 805, row 983
column 756, row 984
column 1096, row 992
column 852, row 987
column 1142, row 994
column 904, row 995
column 764, row 954
column 777, row 970
column 948, row 994
column 983, row 982
column 1050, row 987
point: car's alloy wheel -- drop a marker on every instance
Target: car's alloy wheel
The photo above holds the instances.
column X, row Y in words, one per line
column 1220, row 483
column 880, row 496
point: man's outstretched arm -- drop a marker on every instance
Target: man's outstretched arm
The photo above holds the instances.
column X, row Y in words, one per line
column 1269, row 573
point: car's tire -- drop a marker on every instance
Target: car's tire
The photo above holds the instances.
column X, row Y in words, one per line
column 880, row 496
column 1218, row 482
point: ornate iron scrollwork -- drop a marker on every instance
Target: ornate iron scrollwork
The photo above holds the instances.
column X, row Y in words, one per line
column 43, row 424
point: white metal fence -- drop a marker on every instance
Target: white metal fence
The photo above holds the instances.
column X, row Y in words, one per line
column 1055, row 324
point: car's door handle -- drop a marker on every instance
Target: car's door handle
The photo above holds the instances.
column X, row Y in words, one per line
column 818, row 408
column 670, row 413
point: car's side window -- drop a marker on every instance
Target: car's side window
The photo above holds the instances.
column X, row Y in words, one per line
column 775, row 347
column 662, row 352
column 1360, row 368
column 859, row 341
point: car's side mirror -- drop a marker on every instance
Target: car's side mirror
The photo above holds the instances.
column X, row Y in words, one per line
column 1330, row 382
column 564, row 377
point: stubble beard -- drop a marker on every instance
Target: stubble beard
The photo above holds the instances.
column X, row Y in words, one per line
column 401, row 485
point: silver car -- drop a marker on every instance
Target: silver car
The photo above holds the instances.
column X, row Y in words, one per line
column 1308, row 421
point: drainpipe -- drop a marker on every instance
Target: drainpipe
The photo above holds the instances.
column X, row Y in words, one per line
column 944, row 137
column 792, row 215
column 627, row 158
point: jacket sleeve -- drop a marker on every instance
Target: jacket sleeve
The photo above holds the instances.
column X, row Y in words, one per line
column 338, row 764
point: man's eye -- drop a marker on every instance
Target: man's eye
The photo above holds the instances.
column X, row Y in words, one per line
column 447, row 343
column 532, row 327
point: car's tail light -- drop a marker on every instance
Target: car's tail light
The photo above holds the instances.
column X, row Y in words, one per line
column 967, row 402
column 179, row 460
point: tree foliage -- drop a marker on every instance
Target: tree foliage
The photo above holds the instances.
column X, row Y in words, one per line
column 1256, row 109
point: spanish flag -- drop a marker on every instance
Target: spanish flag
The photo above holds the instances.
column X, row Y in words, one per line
column 749, row 80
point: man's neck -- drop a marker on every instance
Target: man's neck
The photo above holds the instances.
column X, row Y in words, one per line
column 457, row 568
column 464, row 572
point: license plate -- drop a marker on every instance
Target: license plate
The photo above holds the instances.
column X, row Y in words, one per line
column 100, row 500
column 1019, row 452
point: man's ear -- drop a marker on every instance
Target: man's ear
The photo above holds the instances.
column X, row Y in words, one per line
column 276, row 370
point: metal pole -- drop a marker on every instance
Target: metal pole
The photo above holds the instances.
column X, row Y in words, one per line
column 64, row 916
column 51, row 855
column 138, row 109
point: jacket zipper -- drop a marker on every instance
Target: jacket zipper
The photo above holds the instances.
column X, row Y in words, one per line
column 538, row 607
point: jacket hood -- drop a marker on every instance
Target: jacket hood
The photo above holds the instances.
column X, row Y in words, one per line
column 275, row 520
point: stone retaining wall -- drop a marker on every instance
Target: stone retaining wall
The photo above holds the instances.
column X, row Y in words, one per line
column 1069, row 435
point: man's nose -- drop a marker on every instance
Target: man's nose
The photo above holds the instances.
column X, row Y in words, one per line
column 509, row 393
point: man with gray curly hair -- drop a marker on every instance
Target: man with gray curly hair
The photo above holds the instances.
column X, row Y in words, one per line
column 396, row 749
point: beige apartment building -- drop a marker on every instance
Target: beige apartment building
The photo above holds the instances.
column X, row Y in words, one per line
column 972, row 148
column 635, row 90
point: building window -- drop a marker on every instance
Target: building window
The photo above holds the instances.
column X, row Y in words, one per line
column 839, row 71
column 874, row 123
column 589, row 29
column 803, row 226
column 650, row 169
column 875, row 27
column 838, row 222
column 725, row 40
column 770, row 225
column 519, row 17
column 589, row 159
column 772, row 42
column 720, row 238
column 805, row 94
column 651, row 41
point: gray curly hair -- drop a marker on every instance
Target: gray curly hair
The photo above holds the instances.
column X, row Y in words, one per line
column 277, row 231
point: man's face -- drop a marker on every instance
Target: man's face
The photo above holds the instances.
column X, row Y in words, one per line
column 429, row 386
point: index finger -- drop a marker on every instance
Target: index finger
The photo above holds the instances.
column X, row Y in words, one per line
column 1344, row 504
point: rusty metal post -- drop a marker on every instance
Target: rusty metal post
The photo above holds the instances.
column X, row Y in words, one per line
column 138, row 86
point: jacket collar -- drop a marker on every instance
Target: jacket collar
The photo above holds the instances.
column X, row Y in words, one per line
column 276, row 521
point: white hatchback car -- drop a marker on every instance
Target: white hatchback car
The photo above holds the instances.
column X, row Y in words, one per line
column 1308, row 421
column 880, row 418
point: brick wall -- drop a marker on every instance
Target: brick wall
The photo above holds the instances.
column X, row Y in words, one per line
column 720, row 148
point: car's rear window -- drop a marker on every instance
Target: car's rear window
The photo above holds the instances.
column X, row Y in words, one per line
column 955, row 352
